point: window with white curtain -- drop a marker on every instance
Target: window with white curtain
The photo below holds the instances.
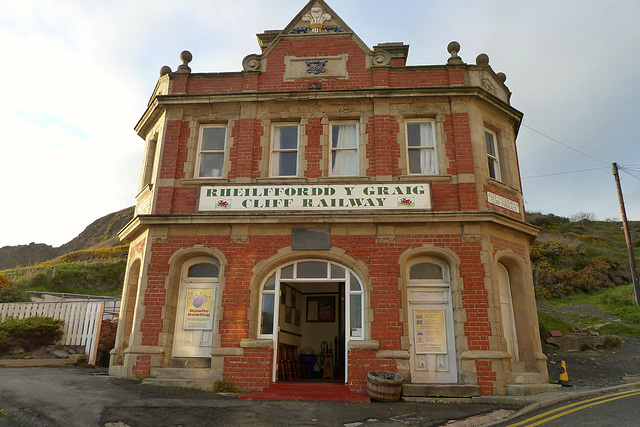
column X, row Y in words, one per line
column 212, row 150
column 491, row 141
column 284, row 150
column 421, row 147
column 344, row 149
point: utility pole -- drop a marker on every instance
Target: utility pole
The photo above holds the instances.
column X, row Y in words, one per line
column 627, row 236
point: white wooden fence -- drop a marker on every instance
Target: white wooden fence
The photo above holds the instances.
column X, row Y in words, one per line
column 82, row 320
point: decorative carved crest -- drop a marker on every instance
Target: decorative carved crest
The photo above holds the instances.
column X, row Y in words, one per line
column 316, row 19
column 315, row 67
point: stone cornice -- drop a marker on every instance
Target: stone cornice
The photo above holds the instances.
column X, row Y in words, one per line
column 141, row 222
column 161, row 102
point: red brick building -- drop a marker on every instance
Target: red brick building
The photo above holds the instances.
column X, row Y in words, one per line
column 330, row 199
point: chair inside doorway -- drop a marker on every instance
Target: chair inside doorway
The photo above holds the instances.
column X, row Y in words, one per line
column 289, row 366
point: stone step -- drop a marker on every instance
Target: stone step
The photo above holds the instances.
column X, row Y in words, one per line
column 186, row 373
column 518, row 366
column 208, row 385
column 440, row 390
column 526, row 378
column 529, row 389
column 190, row 362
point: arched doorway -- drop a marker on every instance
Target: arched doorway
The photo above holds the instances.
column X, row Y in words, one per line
column 431, row 331
column 195, row 315
column 312, row 307
column 506, row 308
column 128, row 311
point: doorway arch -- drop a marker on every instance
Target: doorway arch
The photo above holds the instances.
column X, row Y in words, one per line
column 311, row 297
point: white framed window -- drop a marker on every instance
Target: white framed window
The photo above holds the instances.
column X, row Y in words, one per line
column 344, row 149
column 284, row 150
column 493, row 159
column 212, row 151
column 421, row 147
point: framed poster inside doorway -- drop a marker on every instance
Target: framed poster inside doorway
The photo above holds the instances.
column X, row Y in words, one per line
column 321, row 309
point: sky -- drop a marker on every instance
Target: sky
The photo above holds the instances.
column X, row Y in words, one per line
column 77, row 76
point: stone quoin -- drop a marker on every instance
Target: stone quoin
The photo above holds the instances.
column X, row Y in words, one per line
column 331, row 202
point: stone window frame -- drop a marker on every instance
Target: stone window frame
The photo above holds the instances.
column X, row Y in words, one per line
column 298, row 149
column 225, row 150
column 359, row 148
column 436, row 144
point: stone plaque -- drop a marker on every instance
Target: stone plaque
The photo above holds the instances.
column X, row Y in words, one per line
column 305, row 239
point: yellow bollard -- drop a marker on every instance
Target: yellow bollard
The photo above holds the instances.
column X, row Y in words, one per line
column 564, row 376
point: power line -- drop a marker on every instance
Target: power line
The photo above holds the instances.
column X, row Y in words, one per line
column 625, row 170
column 564, row 173
column 565, row 145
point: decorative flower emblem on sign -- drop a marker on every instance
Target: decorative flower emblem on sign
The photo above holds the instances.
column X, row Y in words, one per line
column 316, row 19
column 316, row 67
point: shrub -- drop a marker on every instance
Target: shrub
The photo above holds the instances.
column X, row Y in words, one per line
column 5, row 282
column 8, row 291
column 12, row 295
column 29, row 333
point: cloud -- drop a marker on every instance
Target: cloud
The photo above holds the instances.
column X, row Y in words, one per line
column 78, row 74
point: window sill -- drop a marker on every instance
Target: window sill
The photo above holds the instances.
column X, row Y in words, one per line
column 282, row 180
column 344, row 179
column 423, row 178
column 502, row 186
column 203, row 181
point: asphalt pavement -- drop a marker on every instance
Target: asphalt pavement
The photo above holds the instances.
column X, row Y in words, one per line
column 72, row 396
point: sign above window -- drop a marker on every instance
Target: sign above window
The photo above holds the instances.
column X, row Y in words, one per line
column 315, row 197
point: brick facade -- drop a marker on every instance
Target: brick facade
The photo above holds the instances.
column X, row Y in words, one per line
column 461, row 231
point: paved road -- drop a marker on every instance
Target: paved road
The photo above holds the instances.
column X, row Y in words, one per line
column 78, row 397
column 619, row 408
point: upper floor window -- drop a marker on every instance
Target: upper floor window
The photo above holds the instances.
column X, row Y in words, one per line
column 212, row 150
column 421, row 148
column 284, row 150
column 344, row 149
column 491, row 141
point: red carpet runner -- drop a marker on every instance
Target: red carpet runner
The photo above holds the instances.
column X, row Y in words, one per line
column 310, row 391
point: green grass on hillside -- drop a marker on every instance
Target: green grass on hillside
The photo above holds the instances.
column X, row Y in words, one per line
column 92, row 272
column 614, row 303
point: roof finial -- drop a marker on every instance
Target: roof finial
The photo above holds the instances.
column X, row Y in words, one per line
column 185, row 57
column 454, row 48
column 482, row 59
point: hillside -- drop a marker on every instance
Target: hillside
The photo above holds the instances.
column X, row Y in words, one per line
column 101, row 233
column 579, row 255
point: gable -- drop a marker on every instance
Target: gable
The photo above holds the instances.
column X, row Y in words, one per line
column 314, row 22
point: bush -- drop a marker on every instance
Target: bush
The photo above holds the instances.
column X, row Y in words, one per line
column 8, row 291
column 12, row 295
column 29, row 333
column 5, row 282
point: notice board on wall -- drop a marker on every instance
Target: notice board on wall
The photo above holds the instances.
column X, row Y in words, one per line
column 430, row 335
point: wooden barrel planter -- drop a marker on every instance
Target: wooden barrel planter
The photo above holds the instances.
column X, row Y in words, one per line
column 384, row 386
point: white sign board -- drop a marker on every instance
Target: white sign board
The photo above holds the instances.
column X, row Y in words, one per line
column 503, row 202
column 315, row 197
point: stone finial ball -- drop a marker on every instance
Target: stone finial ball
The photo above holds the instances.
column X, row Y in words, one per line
column 482, row 59
column 165, row 70
column 186, row 56
column 502, row 77
column 454, row 46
